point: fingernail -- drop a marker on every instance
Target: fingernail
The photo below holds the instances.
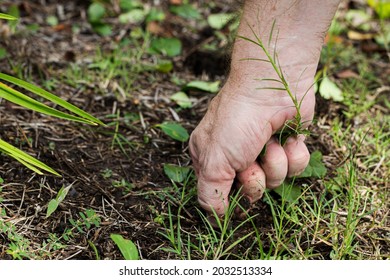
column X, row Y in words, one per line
column 274, row 184
column 301, row 137
column 296, row 173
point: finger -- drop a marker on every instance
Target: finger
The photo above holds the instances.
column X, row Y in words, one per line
column 298, row 155
column 253, row 182
column 274, row 163
column 213, row 191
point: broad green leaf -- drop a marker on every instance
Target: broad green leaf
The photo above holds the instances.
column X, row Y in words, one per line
column 383, row 37
column 186, row 11
column 133, row 16
column 127, row 247
column 218, row 21
column 315, row 168
column 176, row 173
column 95, row 12
column 25, row 159
column 288, row 192
column 336, row 28
column 381, row 7
column 7, row 17
column 155, row 15
column 175, row 131
column 358, row 19
column 127, row 5
column 329, row 90
column 212, row 87
column 51, row 207
column 164, row 66
column 166, row 46
column 52, row 20
column 182, row 99
column 102, row 29
column 62, row 193
column 85, row 117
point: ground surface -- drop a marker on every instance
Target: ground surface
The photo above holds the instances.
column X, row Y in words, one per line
column 117, row 172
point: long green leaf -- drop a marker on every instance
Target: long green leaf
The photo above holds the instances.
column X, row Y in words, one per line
column 269, row 80
column 27, row 160
column 8, row 17
column 23, row 100
column 51, row 97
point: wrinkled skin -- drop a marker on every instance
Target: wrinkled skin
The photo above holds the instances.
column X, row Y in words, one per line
column 242, row 119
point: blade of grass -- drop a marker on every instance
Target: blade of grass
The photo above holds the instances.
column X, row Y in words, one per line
column 51, row 97
column 23, row 100
column 25, row 159
column 7, row 17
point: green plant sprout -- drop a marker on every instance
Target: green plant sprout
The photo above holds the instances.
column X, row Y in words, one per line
column 27, row 102
column 292, row 127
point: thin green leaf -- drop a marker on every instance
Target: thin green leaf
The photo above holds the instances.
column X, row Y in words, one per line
column 271, row 33
column 250, row 40
column 271, row 80
column 25, row 159
column 29, row 166
column 7, row 17
column 276, row 42
column 23, row 100
column 51, row 97
column 255, row 59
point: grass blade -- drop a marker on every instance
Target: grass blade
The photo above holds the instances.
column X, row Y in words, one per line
column 7, row 17
column 255, row 59
column 53, row 98
column 250, row 40
column 23, row 100
column 27, row 160
column 272, row 31
column 270, row 80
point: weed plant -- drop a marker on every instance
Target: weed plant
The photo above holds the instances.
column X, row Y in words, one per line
column 292, row 127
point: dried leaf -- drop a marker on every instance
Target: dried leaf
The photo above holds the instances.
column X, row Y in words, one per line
column 348, row 73
column 357, row 36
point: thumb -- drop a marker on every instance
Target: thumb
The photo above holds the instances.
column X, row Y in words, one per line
column 214, row 189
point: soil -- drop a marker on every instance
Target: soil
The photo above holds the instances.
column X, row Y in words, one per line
column 85, row 155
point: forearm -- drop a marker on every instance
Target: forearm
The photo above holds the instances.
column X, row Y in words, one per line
column 292, row 23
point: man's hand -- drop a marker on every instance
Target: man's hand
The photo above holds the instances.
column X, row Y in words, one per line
column 242, row 119
column 229, row 139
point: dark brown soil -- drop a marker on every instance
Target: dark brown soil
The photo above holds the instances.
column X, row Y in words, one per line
column 86, row 156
